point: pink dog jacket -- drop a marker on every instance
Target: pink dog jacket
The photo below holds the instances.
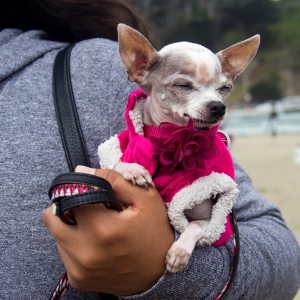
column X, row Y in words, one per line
column 188, row 166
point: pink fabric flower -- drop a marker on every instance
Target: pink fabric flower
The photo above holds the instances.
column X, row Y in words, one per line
column 183, row 146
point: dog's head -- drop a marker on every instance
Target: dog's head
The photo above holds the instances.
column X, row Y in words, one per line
column 185, row 80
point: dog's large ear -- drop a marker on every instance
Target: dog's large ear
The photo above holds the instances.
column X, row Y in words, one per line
column 137, row 53
column 237, row 57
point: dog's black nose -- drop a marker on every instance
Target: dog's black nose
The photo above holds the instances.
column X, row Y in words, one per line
column 216, row 108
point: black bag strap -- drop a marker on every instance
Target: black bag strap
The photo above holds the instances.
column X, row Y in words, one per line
column 74, row 146
column 66, row 112
column 73, row 140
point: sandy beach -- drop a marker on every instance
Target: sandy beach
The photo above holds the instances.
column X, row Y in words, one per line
column 270, row 161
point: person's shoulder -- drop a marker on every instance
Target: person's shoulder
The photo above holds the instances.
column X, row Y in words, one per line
column 96, row 56
column 98, row 43
column 98, row 48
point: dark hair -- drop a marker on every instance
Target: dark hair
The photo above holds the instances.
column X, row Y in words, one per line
column 71, row 20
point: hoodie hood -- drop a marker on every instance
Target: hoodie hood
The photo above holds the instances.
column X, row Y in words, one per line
column 18, row 49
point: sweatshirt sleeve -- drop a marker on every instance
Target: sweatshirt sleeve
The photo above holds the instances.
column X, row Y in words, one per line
column 269, row 266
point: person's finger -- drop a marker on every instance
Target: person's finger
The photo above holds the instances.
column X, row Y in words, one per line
column 87, row 214
column 121, row 187
column 84, row 169
column 59, row 230
column 108, row 174
column 69, row 256
column 124, row 191
column 94, row 215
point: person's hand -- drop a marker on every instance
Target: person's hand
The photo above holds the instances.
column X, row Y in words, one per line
column 118, row 253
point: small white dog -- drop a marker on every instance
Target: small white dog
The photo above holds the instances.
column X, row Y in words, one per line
column 183, row 88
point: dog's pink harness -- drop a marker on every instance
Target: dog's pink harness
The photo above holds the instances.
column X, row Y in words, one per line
column 177, row 157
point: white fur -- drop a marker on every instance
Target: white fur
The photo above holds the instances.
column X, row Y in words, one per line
column 207, row 58
column 227, row 137
column 200, row 190
column 135, row 173
column 136, row 116
column 183, row 47
column 200, row 57
column 179, row 254
column 109, row 153
column 196, row 106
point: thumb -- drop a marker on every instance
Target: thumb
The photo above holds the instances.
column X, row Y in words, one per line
column 106, row 174
column 59, row 230
column 86, row 170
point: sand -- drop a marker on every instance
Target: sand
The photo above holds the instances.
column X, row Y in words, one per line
column 270, row 161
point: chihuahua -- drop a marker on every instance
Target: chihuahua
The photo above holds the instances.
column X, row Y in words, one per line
column 182, row 92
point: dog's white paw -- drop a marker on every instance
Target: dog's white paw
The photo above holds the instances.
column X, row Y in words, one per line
column 177, row 258
column 135, row 173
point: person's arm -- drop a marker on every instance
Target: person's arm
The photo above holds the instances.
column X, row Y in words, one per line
column 269, row 266
column 269, row 258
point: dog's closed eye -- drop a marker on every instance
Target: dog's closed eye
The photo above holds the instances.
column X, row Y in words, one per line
column 183, row 85
column 224, row 89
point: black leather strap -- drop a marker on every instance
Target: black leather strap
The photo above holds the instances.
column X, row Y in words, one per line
column 90, row 190
column 71, row 202
column 66, row 112
column 73, row 141
column 80, row 178
column 74, row 146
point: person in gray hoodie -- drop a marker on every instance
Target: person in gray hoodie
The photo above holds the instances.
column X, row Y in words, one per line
column 32, row 155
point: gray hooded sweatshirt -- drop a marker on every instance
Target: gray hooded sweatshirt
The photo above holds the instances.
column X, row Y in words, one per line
column 32, row 155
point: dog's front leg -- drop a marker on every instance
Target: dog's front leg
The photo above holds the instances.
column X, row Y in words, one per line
column 134, row 173
column 179, row 254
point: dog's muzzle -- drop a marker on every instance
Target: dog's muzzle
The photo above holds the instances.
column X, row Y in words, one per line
column 217, row 109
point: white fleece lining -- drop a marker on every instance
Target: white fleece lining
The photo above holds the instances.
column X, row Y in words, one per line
column 109, row 152
column 226, row 135
column 136, row 116
column 215, row 184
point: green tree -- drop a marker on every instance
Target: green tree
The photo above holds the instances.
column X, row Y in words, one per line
column 266, row 89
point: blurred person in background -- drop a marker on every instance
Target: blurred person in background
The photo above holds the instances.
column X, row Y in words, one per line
column 272, row 120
